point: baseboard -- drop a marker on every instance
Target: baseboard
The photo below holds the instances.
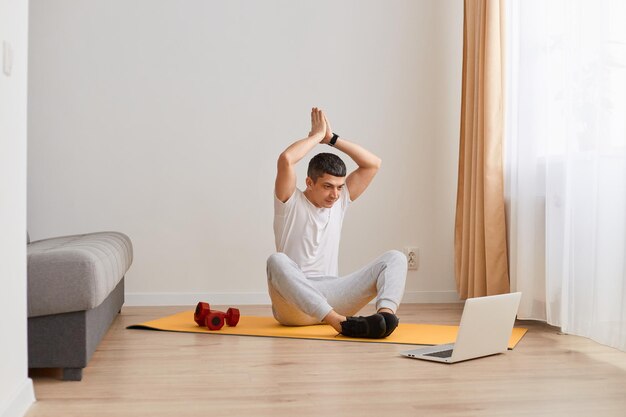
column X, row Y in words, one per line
column 260, row 298
column 188, row 299
column 431, row 297
column 20, row 402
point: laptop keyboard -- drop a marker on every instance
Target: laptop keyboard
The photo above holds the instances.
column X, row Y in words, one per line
column 440, row 354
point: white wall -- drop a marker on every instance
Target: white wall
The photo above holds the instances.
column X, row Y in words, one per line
column 164, row 120
column 16, row 389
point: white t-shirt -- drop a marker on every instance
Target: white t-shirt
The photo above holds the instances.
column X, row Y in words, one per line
column 310, row 235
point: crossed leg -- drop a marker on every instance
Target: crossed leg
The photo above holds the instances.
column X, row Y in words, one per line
column 298, row 300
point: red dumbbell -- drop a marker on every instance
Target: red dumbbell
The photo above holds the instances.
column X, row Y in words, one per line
column 202, row 311
column 214, row 319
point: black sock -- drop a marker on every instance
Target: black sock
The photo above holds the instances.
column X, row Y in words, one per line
column 391, row 322
column 370, row 327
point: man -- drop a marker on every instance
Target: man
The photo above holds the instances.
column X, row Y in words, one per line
column 303, row 276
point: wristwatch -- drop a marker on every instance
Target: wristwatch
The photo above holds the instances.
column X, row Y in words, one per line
column 333, row 140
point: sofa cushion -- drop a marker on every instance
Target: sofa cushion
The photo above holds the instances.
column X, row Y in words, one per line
column 75, row 273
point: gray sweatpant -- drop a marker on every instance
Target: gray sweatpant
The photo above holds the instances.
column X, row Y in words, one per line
column 298, row 300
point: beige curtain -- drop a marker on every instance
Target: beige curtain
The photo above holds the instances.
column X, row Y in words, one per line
column 481, row 263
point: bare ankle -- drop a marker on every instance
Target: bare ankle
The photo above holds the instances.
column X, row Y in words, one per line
column 333, row 319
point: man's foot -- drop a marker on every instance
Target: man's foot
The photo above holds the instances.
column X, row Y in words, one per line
column 391, row 322
column 370, row 327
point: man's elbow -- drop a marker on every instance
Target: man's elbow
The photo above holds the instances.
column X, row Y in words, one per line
column 285, row 160
column 377, row 163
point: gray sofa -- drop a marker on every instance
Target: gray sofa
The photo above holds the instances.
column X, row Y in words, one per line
column 75, row 290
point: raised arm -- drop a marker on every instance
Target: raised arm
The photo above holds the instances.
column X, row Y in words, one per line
column 368, row 164
column 285, row 173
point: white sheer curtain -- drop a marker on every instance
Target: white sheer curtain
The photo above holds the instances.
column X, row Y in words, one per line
column 565, row 164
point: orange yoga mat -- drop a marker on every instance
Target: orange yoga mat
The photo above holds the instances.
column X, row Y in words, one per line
column 406, row 333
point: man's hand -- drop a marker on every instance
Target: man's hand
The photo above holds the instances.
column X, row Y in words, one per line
column 318, row 124
column 329, row 132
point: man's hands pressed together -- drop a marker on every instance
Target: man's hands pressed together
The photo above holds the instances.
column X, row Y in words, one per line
column 319, row 125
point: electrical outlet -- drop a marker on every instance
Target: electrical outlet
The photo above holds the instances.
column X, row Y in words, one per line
column 412, row 257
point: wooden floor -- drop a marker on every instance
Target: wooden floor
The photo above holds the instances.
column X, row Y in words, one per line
column 150, row 373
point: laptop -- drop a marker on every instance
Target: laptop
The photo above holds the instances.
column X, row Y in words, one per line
column 485, row 329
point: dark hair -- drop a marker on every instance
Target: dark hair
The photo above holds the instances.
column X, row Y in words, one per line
column 326, row 163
